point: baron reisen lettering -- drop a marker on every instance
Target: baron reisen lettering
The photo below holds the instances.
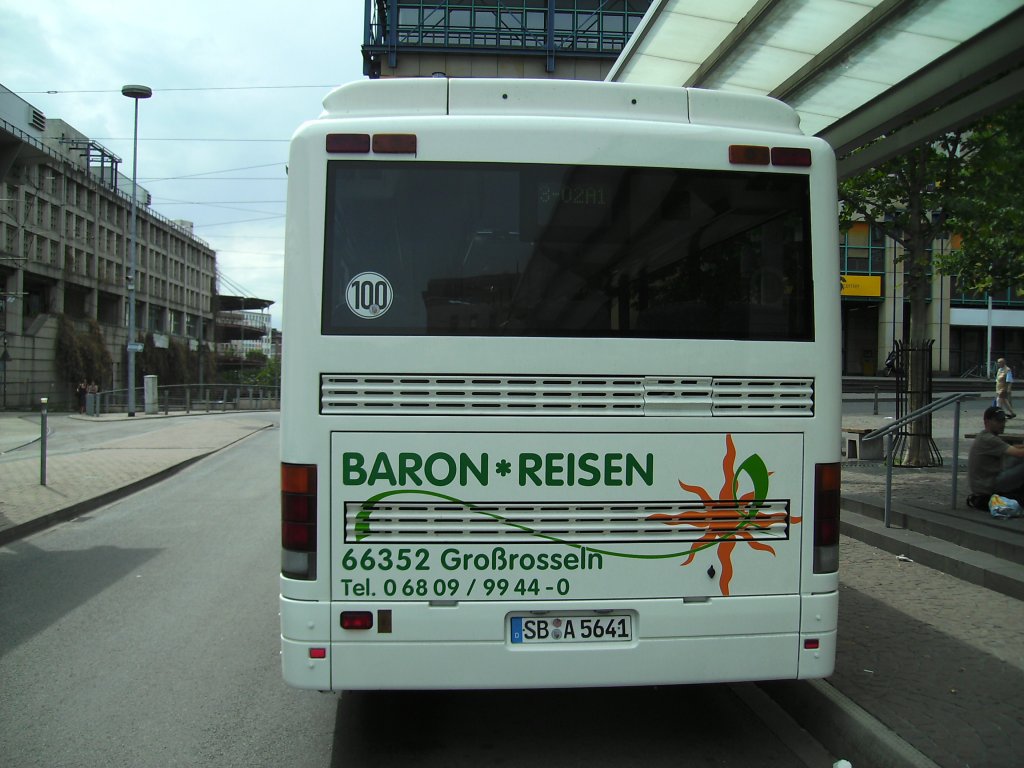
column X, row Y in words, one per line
column 440, row 469
column 405, row 469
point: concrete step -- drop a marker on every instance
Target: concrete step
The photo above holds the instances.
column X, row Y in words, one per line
column 977, row 567
column 968, row 528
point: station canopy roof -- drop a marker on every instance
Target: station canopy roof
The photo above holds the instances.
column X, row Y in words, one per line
column 901, row 71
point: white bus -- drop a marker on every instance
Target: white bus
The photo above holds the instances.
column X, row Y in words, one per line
column 561, row 395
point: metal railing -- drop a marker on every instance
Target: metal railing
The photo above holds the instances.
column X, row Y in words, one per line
column 189, row 398
column 887, row 432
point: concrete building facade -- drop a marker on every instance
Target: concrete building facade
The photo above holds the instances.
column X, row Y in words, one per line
column 64, row 250
column 565, row 39
column 968, row 330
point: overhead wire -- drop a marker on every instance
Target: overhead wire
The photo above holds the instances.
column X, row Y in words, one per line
column 58, row 92
column 208, row 173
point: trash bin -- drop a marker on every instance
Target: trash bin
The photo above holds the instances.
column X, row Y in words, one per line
column 868, row 363
column 92, row 404
column 150, row 393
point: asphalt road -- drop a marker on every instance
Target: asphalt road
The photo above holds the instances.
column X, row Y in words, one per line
column 146, row 634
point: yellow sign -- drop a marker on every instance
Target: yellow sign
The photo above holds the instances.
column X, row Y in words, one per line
column 861, row 285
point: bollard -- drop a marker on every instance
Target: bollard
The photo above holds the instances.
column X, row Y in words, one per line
column 956, row 447
column 875, row 411
column 42, row 440
column 887, row 516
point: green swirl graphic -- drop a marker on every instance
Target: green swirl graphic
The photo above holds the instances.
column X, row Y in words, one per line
column 753, row 466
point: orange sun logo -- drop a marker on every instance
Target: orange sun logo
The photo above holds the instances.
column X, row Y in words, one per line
column 729, row 519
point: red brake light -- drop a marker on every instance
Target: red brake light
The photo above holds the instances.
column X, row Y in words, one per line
column 297, row 537
column 298, row 520
column 826, row 518
column 298, row 508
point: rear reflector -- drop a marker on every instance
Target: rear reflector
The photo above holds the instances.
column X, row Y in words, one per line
column 318, row 653
column 812, row 644
column 356, row 620
column 395, row 143
column 298, row 521
column 826, row 518
column 355, row 143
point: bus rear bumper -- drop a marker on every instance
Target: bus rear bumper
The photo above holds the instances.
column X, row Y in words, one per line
column 467, row 646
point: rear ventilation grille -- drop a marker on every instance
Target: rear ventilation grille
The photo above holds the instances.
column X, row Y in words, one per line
column 375, row 395
column 485, row 523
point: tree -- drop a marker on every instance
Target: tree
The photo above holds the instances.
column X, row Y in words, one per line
column 906, row 198
column 988, row 212
column 965, row 182
column 270, row 373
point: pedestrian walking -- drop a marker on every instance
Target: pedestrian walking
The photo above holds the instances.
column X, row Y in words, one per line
column 80, row 391
column 1004, row 383
column 1009, row 391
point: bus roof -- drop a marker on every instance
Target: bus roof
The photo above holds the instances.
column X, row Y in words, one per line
column 558, row 98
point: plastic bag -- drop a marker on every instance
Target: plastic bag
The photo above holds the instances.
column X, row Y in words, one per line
column 1001, row 506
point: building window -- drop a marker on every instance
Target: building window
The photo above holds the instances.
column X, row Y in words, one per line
column 580, row 25
column 862, row 250
column 1002, row 297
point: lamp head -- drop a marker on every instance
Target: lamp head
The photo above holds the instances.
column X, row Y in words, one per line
column 137, row 91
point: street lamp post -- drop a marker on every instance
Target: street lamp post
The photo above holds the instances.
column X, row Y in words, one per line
column 133, row 92
column 5, row 358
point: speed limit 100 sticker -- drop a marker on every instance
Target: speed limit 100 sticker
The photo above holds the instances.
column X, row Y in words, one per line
column 369, row 295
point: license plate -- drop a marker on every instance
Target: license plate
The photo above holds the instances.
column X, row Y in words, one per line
column 614, row 628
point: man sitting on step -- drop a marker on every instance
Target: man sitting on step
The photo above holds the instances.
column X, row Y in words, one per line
column 993, row 465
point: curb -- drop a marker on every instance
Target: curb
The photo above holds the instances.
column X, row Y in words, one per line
column 22, row 530
column 88, row 505
column 842, row 727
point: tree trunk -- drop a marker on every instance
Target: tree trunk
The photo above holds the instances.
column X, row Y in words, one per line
column 917, row 449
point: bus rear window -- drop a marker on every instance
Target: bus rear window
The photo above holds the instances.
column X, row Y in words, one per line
column 489, row 249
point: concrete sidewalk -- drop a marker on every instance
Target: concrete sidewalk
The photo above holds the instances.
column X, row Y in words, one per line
column 931, row 617
column 109, row 468
column 930, row 628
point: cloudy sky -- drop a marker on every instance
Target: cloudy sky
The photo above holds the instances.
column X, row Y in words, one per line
column 231, row 82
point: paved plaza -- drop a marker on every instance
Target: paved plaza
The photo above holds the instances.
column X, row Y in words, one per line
column 931, row 611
